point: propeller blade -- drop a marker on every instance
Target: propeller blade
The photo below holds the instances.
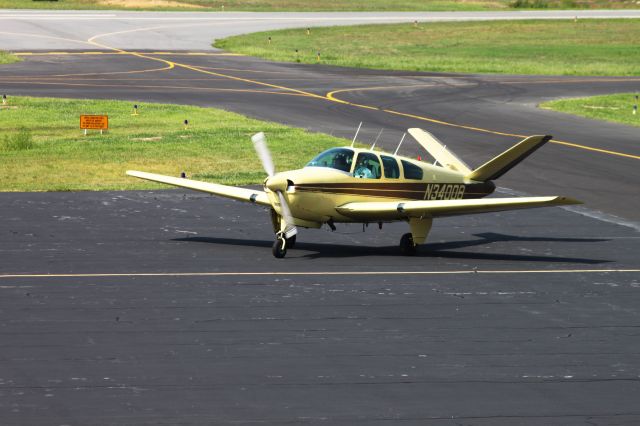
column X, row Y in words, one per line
column 260, row 145
column 290, row 229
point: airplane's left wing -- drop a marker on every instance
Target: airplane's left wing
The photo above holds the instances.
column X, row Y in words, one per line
column 394, row 210
column 241, row 194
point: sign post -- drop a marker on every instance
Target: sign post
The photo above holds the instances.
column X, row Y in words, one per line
column 94, row 122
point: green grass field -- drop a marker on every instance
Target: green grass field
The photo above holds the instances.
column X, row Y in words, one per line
column 588, row 47
column 7, row 58
column 617, row 108
column 43, row 149
column 308, row 5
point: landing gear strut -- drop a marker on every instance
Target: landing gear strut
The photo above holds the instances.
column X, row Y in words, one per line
column 407, row 246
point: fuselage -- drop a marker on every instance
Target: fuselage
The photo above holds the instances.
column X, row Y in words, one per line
column 345, row 175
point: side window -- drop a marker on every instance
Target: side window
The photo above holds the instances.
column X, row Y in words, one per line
column 367, row 166
column 391, row 169
column 411, row 171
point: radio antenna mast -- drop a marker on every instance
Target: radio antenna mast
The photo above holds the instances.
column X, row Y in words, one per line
column 396, row 151
column 356, row 135
column 376, row 141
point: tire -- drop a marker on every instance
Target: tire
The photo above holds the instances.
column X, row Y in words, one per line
column 279, row 248
column 407, row 247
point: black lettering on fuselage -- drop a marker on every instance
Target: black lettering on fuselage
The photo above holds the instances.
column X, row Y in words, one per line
column 437, row 191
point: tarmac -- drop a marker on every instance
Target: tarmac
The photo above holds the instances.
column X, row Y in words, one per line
column 167, row 307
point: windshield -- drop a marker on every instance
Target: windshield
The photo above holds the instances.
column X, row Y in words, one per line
column 336, row 158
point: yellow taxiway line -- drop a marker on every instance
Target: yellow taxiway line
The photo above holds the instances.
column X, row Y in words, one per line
column 330, row 96
column 126, row 86
column 320, row 273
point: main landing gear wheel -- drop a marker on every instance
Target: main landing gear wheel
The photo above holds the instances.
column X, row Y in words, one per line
column 279, row 248
column 291, row 242
column 407, row 247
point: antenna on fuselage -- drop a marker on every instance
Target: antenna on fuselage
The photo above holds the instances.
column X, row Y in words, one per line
column 356, row 135
column 376, row 141
column 403, row 135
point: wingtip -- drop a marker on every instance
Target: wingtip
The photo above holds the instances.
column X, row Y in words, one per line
column 568, row 200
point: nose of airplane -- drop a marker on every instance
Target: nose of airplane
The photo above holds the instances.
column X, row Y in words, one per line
column 276, row 183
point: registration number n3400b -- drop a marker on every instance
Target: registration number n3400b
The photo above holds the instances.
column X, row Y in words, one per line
column 441, row 191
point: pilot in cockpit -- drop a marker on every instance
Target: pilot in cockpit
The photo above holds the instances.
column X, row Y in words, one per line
column 363, row 168
column 340, row 163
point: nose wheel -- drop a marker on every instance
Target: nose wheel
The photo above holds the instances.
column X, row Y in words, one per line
column 279, row 248
column 407, row 246
column 281, row 244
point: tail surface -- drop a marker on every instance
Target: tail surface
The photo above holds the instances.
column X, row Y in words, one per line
column 504, row 162
column 438, row 151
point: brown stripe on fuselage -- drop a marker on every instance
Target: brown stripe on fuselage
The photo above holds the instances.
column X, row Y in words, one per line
column 408, row 191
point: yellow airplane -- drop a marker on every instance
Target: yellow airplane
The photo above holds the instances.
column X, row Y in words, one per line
column 350, row 184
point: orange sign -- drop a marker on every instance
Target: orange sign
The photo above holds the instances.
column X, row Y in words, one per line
column 94, row 122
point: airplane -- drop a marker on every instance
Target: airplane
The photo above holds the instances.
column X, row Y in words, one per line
column 350, row 184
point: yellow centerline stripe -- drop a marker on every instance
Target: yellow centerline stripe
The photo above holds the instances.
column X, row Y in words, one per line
column 316, row 273
column 196, row 69
column 208, row 89
column 246, row 80
column 331, row 96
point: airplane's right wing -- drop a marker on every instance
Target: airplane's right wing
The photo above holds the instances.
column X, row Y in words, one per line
column 395, row 210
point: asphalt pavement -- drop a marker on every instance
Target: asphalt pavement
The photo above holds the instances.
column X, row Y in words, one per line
column 167, row 307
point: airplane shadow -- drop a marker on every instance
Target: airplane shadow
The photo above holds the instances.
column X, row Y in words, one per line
column 445, row 250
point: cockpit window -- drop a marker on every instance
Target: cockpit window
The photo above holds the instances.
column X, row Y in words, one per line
column 336, row 158
column 367, row 166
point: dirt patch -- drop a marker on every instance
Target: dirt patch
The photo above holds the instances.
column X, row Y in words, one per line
column 153, row 138
column 148, row 4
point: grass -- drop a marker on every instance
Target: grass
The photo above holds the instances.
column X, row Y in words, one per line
column 43, row 149
column 617, row 108
column 7, row 58
column 586, row 47
column 307, row 5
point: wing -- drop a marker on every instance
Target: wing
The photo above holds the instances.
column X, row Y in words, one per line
column 439, row 208
column 241, row 194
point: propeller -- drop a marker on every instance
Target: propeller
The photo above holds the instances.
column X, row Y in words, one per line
column 274, row 183
column 260, row 145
